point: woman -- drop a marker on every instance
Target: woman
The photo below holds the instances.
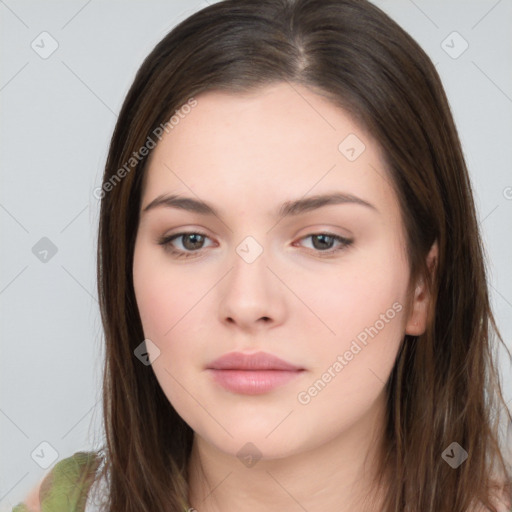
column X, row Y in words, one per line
column 291, row 279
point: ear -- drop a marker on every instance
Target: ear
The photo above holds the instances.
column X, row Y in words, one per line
column 417, row 320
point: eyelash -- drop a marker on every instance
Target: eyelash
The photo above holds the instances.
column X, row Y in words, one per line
column 165, row 241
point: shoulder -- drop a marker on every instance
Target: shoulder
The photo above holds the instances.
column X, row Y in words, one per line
column 65, row 487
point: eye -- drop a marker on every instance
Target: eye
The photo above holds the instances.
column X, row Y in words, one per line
column 191, row 242
column 323, row 243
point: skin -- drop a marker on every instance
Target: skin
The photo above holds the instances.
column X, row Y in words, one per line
column 246, row 155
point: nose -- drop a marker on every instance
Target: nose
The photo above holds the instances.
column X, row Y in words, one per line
column 251, row 297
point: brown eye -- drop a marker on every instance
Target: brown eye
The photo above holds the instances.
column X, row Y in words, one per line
column 191, row 243
column 323, row 242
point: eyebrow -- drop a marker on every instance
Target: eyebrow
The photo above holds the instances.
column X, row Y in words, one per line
column 288, row 208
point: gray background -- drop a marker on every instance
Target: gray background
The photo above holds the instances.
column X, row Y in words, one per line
column 58, row 114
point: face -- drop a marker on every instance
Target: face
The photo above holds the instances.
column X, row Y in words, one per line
column 324, row 287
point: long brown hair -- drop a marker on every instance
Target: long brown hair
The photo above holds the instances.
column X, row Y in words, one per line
column 445, row 386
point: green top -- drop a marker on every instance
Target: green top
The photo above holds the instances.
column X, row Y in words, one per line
column 65, row 488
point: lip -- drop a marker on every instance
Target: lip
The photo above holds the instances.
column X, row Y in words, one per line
column 255, row 361
column 252, row 374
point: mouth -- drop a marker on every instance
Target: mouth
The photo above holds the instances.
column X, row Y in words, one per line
column 252, row 374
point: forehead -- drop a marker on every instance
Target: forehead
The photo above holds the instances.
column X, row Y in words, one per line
column 280, row 140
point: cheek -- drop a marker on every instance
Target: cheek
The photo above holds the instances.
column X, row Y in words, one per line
column 159, row 292
column 169, row 304
column 155, row 293
column 165, row 310
column 362, row 307
column 352, row 295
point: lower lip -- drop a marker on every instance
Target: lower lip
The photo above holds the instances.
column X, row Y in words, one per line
column 252, row 382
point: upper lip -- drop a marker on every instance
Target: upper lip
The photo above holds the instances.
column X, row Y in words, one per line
column 256, row 361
